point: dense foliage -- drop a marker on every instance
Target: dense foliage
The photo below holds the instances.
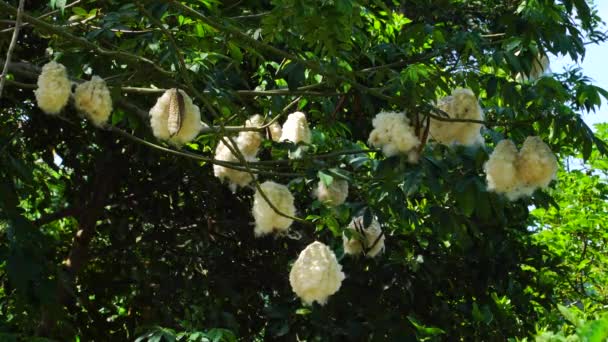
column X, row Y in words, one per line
column 109, row 234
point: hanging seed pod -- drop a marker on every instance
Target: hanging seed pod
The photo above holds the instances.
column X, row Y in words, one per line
column 176, row 112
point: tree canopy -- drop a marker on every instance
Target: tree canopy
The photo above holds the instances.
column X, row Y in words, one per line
column 113, row 231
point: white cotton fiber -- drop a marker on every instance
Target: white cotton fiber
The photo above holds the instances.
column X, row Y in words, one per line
column 536, row 165
column 501, row 173
column 54, row 88
column 235, row 178
column 295, row 129
column 266, row 219
column 516, row 174
column 275, row 131
column 462, row 104
column 372, row 242
column 393, row 133
column 334, row 194
column 190, row 125
column 316, row 274
column 249, row 141
column 94, row 100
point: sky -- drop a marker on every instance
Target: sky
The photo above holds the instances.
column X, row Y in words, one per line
column 595, row 66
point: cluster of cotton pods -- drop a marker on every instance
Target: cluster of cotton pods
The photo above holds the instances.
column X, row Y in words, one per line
column 92, row 98
column 518, row 174
column 316, row 274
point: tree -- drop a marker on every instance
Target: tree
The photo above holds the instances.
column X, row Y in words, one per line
column 110, row 233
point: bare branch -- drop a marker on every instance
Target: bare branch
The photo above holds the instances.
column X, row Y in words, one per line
column 11, row 46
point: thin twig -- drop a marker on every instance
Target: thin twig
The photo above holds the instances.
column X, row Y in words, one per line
column 45, row 15
column 250, row 16
column 230, row 165
column 234, row 149
column 84, row 42
column 246, row 93
column 183, row 69
column 11, row 46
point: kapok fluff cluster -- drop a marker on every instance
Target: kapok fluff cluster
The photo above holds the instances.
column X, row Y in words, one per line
column 518, row 174
column 393, row 133
column 248, row 143
column 94, row 100
column 190, row 123
column 370, row 239
column 333, row 194
column 54, row 88
column 266, row 219
column 316, row 274
column 296, row 130
column 462, row 104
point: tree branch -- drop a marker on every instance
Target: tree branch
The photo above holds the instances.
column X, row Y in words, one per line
column 11, row 46
column 84, row 42
column 45, row 15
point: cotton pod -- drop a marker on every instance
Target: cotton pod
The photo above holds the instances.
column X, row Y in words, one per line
column 275, row 131
column 370, row 239
column 235, row 178
column 94, row 100
column 266, row 219
column 393, row 133
column 296, row 130
column 175, row 118
column 333, row 194
column 536, row 163
column 54, row 88
column 462, row 104
column 501, row 173
column 249, row 141
column 316, row 274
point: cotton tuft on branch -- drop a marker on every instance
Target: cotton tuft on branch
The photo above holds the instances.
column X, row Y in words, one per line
column 249, row 141
column 266, row 219
column 316, row 274
column 54, row 88
column 393, row 133
column 462, row 104
column 370, row 239
column 275, row 131
column 516, row 174
column 189, row 126
column 296, row 130
column 334, row 194
column 501, row 173
column 234, row 177
column 536, row 165
column 94, row 100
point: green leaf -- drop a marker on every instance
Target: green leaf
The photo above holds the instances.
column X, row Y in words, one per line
column 422, row 330
column 325, row 178
column 484, row 315
column 465, row 198
column 570, row 315
column 594, row 331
